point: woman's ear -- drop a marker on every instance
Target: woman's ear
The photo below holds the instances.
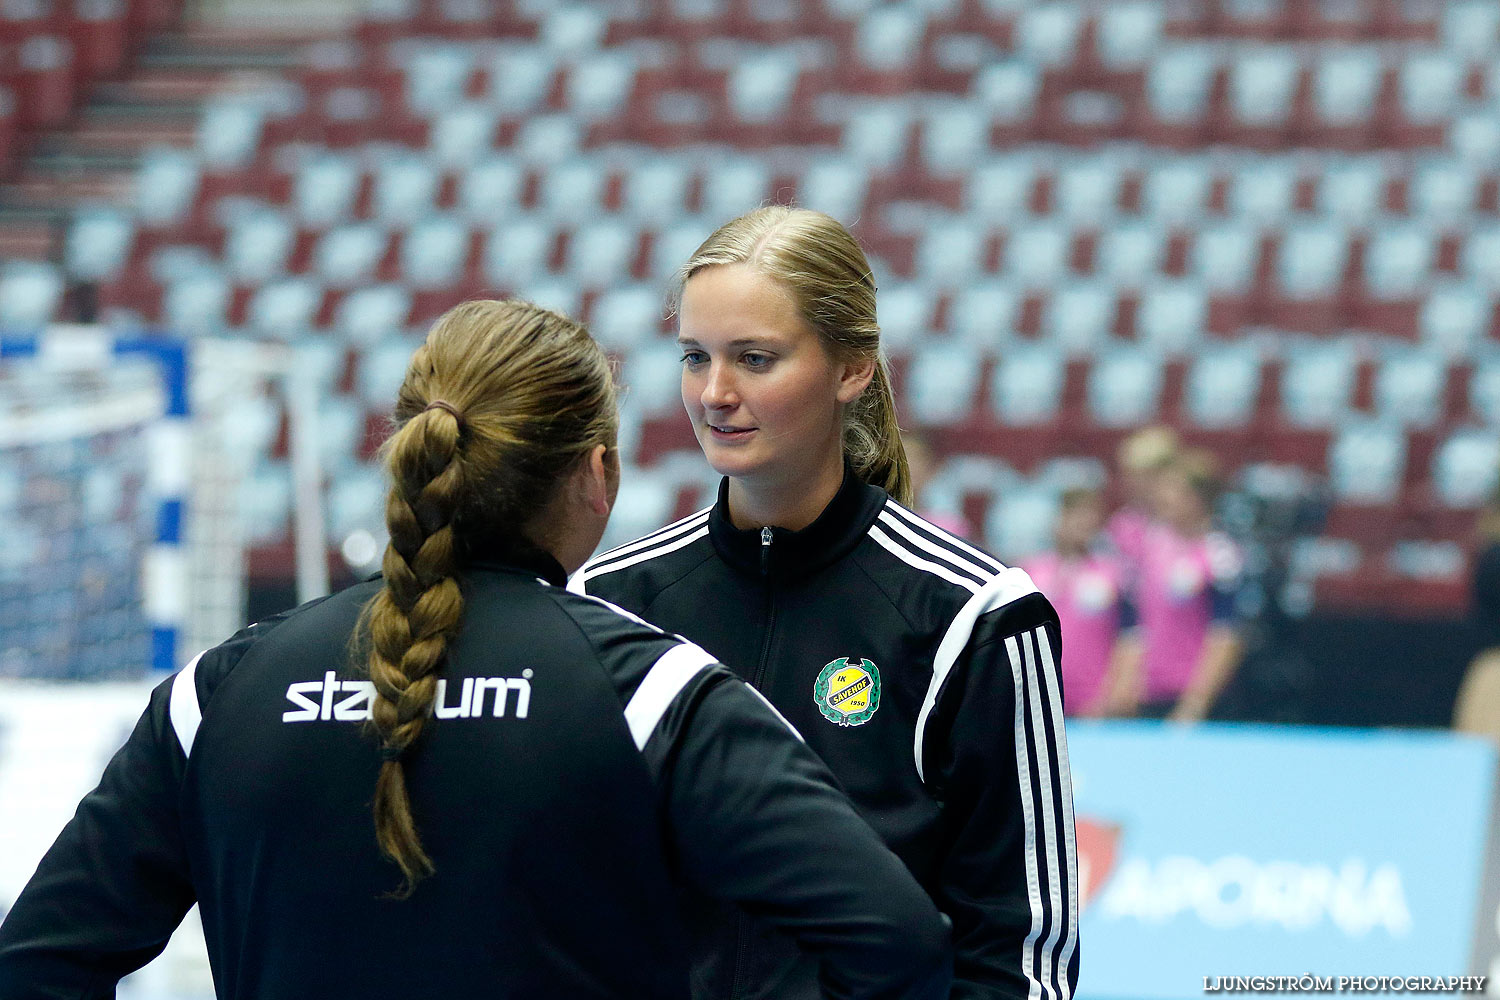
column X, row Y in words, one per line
column 599, row 475
column 854, row 378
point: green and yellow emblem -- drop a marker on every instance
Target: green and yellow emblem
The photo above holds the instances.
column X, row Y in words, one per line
column 848, row 693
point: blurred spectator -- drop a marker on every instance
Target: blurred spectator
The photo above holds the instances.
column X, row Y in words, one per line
column 1086, row 584
column 1141, row 459
column 1188, row 644
column 923, row 465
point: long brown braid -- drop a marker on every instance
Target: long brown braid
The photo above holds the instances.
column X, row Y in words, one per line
column 498, row 404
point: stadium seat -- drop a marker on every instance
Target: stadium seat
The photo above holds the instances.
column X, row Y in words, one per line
column 1007, row 90
column 356, row 501
column 1019, row 522
column 1130, row 253
column 1176, row 190
column 434, row 253
column 348, row 255
column 324, row 187
column 601, row 254
column 1038, row 255
column 1079, row 317
column 760, row 86
column 341, row 431
column 1000, row 189
column 1456, row 316
column 1479, row 257
column 574, row 191
column 519, row 251
column 1475, row 136
column 655, row 190
column 1409, row 387
column 265, row 501
column 229, row 132
column 257, row 245
column 463, row 134
column 1027, row 385
column 652, row 376
column 1471, row 28
column 1088, row 188
column 672, row 247
column 549, row 140
column 876, row 134
column 405, row 189
column 321, row 361
column 1312, row 260
column 166, row 184
column 572, row 31
column 369, row 315
column 197, row 304
column 1172, row 316
column 627, row 316
column 954, row 137
column 1178, row 82
column 1466, row 469
column 1317, row 383
column 1398, row 260
column 1262, row 81
column 1484, row 390
column 558, row 294
column 285, row 309
column 1047, row 34
column 837, row 187
column 1366, row 463
column 905, row 313
column 984, row 314
column 520, row 78
column 1223, row 386
column 733, row 187
column 1429, row 86
column 1352, row 190
column 1263, row 189
column 1346, row 82
column 491, row 190
column 599, row 86
column 98, row 243
column 1129, row 32
column 1443, row 192
column 1124, row 387
column 380, row 372
column 951, row 253
column 436, row 75
column 253, row 431
column 942, row 381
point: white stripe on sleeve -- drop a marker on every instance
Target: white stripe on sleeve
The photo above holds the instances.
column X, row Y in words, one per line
column 1065, row 792
column 917, row 562
column 586, row 574
column 1007, row 586
column 1028, row 816
column 1054, row 901
column 183, row 708
column 663, row 683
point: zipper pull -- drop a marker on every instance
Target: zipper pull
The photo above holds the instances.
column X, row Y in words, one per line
column 765, row 550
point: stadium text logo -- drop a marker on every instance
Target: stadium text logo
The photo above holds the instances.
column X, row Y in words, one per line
column 1237, row 891
column 354, row 701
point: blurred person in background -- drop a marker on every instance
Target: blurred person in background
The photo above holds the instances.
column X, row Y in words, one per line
column 921, row 669
column 540, row 846
column 1187, row 644
column 924, row 465
column 1141, row 458
column 1086, row 583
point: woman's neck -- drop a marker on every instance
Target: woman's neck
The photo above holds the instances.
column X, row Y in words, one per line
column 792, row 504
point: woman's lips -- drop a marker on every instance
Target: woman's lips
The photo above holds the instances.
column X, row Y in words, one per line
column 730, row 434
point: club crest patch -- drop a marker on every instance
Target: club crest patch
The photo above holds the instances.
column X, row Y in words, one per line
column 848, row 693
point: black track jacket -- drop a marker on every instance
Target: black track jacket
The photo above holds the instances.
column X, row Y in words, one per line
column 583, row 774
column 925, row 674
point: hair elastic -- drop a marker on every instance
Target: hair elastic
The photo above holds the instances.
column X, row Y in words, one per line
column 443, row 404
column 391, row 752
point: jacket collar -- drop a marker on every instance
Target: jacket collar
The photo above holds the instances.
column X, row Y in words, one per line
column 836, row 531
column 530, row 561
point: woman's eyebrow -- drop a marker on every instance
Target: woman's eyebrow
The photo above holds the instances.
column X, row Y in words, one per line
column 736, row 342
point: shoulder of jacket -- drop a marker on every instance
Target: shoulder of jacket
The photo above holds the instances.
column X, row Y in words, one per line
column 668, row 552
column 932, row 557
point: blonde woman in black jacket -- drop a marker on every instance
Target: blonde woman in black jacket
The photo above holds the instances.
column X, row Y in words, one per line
column 922, row 670
column 551, row 776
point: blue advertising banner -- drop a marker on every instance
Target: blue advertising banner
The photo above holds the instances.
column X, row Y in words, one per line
column 1224, row 850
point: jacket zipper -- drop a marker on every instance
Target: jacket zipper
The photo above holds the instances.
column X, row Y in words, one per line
column 741, row 922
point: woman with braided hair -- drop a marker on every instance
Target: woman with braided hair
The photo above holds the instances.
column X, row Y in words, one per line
column 555, row 783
